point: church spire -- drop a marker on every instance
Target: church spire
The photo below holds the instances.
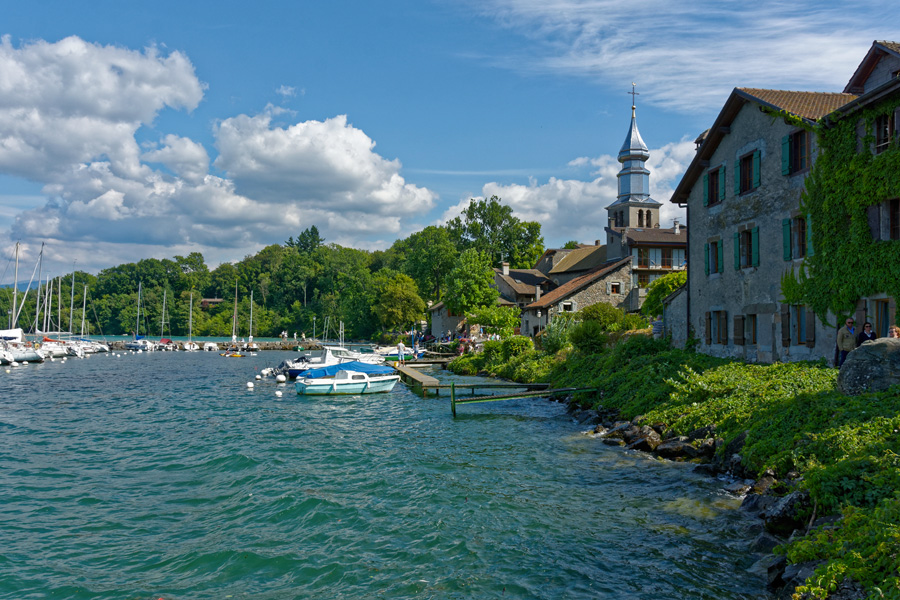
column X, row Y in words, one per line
column 634, row 178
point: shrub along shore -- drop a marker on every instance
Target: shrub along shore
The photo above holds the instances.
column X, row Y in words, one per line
column 825, row 467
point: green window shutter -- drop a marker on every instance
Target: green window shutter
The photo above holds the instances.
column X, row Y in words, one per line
column 809, row 246
column 786, row 238
column 722, row 182
column 706, row 256
column 786, row 155
column 737, row 177
column 737, row 251
column 756, row 179
column 721, row 256
column 706, row 189
column 754, row 246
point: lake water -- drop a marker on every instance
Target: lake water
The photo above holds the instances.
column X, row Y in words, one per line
column 162, row 475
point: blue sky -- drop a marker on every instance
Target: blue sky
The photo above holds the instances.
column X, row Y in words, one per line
column 130, row 130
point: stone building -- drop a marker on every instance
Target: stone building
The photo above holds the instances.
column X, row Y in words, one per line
column 576, row 263
column 610, row 282
column 742, row 192
column 442, row 320
column 634, row 229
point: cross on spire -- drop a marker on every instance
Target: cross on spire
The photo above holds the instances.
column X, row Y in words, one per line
column 633, row 94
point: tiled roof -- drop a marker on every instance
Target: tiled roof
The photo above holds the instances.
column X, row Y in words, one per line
column 581, row 259
column 658, row 236
column 876, row 52
column 577, row 284
column 523, row 280
column 809, row 105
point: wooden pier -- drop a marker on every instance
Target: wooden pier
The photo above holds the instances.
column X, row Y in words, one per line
column 493, row 398
column 425, row 384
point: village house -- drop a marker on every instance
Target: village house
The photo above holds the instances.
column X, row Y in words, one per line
column 521, row 286
column 609, row 283
column 742, row 192
column 573, row 263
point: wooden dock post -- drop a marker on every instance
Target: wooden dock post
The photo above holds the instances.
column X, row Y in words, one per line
column 453, row 399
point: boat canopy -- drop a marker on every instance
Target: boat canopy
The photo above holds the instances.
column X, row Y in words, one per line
column 359, row 367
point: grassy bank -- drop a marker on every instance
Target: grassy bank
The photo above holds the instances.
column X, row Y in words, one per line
column 846, row 449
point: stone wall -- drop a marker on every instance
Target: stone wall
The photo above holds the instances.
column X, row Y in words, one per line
column 751, row 293
column 675, row 317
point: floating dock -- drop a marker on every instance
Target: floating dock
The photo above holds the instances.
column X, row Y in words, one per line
column 494, row 398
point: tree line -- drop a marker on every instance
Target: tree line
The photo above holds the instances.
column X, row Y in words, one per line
column 298, row 284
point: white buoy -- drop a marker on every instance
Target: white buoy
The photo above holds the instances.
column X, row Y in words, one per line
column 278, row 394
column 250, row 385
column 258, row 377
column 280, row 378
column 14, row 364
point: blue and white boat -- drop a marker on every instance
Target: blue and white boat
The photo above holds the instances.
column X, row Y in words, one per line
column 352, row 378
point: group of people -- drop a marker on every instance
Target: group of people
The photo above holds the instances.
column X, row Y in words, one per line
column 848, row 339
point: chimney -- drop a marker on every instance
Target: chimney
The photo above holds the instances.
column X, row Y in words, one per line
column 597, row 243
column 537, row 293
column 677, row 227
column 505, row 266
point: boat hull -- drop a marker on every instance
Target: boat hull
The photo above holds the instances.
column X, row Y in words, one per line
column 332, row 387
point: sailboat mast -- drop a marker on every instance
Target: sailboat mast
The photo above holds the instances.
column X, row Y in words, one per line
column 12, row 324
column 137, row 325
column 191, row 319
column 83, row 307
column 162, row 319
column 251, row 315
column 234, row 323
column 37, row 295
column 72, row 303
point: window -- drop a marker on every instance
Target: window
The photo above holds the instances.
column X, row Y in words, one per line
column 750, row 329
column 714, row 186
column 795, row 152
column 649, row 224
column 643, row 279
column 746, row 173
column 640, row 218
column 884, row 128
column 717, row 327
column 746, row 248
column 796, row 238
column 666, row 258
column 715, row 254
column 881, row 308
column 616, row 287
column 798, row 326
column 894, row 218
column 567, row 307
column 643, row 257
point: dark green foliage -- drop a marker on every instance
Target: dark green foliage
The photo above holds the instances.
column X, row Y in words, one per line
column 515, row 346
column 659, row 289
column 490, row 227
column 608, row 316
column 589, row 337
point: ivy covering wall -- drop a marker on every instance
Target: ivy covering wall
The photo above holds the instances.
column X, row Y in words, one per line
column 846, row 179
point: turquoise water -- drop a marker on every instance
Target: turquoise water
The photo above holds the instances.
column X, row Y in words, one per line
column 162, row 475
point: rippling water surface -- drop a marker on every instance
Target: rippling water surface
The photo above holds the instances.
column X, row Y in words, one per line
column 162, row 476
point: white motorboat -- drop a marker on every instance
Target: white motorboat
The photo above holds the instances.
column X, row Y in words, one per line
column 210, row 347
column 345, row 383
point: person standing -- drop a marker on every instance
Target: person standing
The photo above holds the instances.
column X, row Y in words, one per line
column 866, row 335
column 846, row 341
column 401, row 350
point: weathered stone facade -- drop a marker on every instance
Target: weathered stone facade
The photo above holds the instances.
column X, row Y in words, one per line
column 610, row 283
column 442, row 321
column 675, row 323
column 743, row 196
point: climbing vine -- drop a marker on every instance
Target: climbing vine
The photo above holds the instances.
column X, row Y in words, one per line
column 846, row 179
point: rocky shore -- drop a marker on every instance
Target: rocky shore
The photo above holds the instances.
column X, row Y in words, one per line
column 784, row 511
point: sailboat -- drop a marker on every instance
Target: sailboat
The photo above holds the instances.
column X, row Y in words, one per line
column 191, row 345
column 139, row 343
column 251, row 345
column 232, row 351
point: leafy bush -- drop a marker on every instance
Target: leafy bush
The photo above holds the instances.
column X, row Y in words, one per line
column 659, row 289
column 589, row 337
column 492, row 351
column 608, row 316
column 632, row 321
column 516, row 345
column 556, row 336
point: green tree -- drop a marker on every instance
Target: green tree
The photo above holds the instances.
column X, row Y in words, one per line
column 659, row 289
column 469, row 285
column 307, row 242
column 501, row 320
column 571, row 245
column 398, row 304
column 430, row 255
column 490, row 227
